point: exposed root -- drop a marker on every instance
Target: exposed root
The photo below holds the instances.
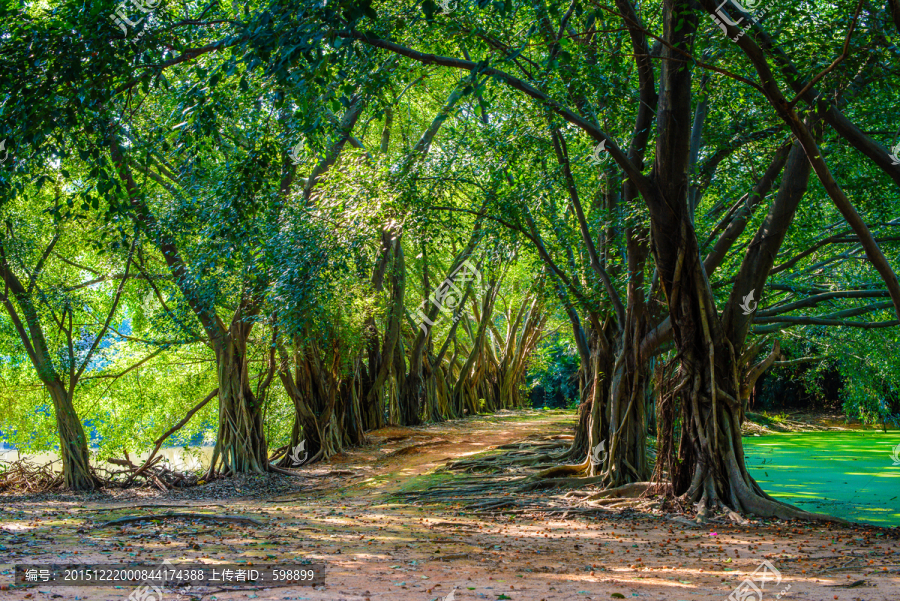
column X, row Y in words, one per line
column 187, row 516
column 616, row 503
column 750, row 501
column 559, row 483
column 629, row 491
column 279, row 470
column 523, row 455
column 564, row 470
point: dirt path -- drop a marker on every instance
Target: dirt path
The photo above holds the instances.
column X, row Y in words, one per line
column 345, row 514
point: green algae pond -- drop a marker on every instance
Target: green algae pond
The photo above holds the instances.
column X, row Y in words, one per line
column 850, row 474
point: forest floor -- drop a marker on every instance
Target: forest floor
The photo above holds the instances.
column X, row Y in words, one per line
column 350, row 514
column 765, row 422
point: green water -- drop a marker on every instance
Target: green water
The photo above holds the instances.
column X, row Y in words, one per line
column 845, row 474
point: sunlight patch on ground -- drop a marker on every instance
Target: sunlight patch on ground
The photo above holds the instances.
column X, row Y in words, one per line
column 13, row 526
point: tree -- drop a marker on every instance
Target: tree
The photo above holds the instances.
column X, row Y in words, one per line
column 708, row 343
column 60, row 326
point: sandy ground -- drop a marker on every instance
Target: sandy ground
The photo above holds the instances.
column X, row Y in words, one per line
column 345, row 514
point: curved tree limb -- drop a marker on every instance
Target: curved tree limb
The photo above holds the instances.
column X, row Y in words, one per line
column 641, row 181
column 170, row 431
column 772, row 93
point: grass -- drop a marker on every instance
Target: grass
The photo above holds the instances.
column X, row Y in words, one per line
column 767, row 419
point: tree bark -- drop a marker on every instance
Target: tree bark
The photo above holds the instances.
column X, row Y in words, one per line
column 73, row 445
column 392, row 344
column 710, row 469
column 626, row 459
column 306, row 425
column 241, row 440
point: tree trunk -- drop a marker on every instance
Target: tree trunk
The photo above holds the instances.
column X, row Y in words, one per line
column 306, row 426
column 73, row 447
column 241, row 439
column 581, row 442
column 626, row 460
column 411, row 400
column 393, row 346
column 598, row 422
column 711, row 457
column 710, row 469
column 591, row 431
column 373, row 407
column 327, row 413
